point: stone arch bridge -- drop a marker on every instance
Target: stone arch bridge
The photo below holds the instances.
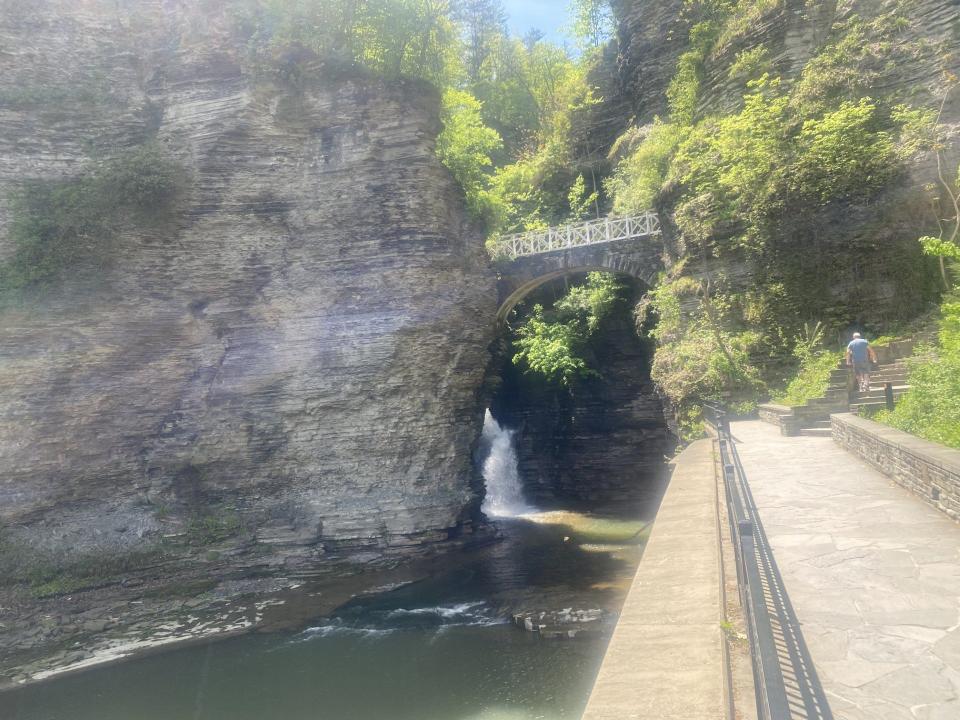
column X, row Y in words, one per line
column 631, row 246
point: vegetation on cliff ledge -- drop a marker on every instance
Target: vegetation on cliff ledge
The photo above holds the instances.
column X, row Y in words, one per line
column 747, row 187
column 74, row 224
column 508, row 102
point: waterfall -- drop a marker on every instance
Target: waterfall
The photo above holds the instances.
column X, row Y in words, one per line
column 504, row 490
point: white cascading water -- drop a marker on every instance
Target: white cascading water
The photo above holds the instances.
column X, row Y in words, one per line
column 504, row 490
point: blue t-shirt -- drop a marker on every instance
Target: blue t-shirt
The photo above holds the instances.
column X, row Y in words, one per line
column 858, row 348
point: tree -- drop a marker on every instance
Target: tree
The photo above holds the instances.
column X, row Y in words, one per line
column 483, row 23
column 582, row 203
column 593, row 23
column 945, row 246
column 465, row 146
column 921, row 131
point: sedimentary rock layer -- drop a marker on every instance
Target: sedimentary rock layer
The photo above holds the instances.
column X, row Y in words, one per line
column 290, row 360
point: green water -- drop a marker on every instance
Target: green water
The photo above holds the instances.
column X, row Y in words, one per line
column 456, row 674
column 436, row 650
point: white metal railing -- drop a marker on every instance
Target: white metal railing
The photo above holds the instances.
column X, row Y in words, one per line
column 591, row 232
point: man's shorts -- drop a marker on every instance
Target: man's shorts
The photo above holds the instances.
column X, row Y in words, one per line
column 861, row 368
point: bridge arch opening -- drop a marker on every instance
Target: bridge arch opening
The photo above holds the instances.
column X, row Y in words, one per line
column 597, row 441
column 519, row 294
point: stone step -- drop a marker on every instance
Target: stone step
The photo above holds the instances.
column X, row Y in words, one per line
column 868, row 406
column 879, row 394
column 816, row 432
column 902, row 386
column 825, row 406
column 821, row 424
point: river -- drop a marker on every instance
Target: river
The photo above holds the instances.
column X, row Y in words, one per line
column 441, row 649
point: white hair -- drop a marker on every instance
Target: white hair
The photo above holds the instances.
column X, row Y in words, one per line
column 856, row 336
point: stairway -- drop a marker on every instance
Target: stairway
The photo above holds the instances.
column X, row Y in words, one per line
column 875, row 399
column 813, row 417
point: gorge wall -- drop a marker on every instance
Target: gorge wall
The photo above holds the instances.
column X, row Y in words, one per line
column 846, row 263
column 286, row 366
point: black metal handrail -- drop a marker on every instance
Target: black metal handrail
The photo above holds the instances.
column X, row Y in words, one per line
column 782, row 664
column 771, row 691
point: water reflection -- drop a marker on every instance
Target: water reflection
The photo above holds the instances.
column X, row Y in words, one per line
column 445, row 648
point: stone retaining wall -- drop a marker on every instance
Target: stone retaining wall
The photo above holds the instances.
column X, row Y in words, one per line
column 666, row 659
column 926, row 469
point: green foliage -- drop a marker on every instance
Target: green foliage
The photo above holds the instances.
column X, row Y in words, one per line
column 737, row 159
column 862, row 54
column 588, row 304
column 44, row 573
column 213, row 527
column 938, row 247
column 593, row 23
column 750, row 64
column 582, row 203
column 812, row 378
column 413, row 38
column 59, row 225
column 465, row 146
column 638, row 179
column 743, row 17
column 700, row 359
column 931, row 409
column 918, row 130
column 552, row 344
column 483, row 24
column 535, row 190
column 550, row 349
column 844, row 154
column 684, row 88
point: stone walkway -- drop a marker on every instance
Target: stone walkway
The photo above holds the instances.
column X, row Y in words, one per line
column 873, row 574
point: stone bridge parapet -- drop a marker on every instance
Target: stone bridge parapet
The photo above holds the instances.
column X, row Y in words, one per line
column 640, row 258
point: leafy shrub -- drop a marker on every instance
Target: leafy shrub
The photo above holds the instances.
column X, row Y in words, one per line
column 552, row 344
column 638, row 179
column 931, row 409
column 551, row 349
column 812, row 378
column 700, row 358
column 750, row 64
column 465, row 146
column 844, row 153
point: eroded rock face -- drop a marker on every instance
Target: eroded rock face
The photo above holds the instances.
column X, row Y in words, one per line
column 291, row 361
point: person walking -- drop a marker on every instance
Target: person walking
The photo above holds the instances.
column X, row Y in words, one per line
column 860, row 356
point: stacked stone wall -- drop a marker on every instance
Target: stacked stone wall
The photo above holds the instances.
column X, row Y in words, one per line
column 926, row 469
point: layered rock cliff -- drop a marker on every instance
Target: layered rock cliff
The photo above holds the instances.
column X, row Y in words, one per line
column 285, row 365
